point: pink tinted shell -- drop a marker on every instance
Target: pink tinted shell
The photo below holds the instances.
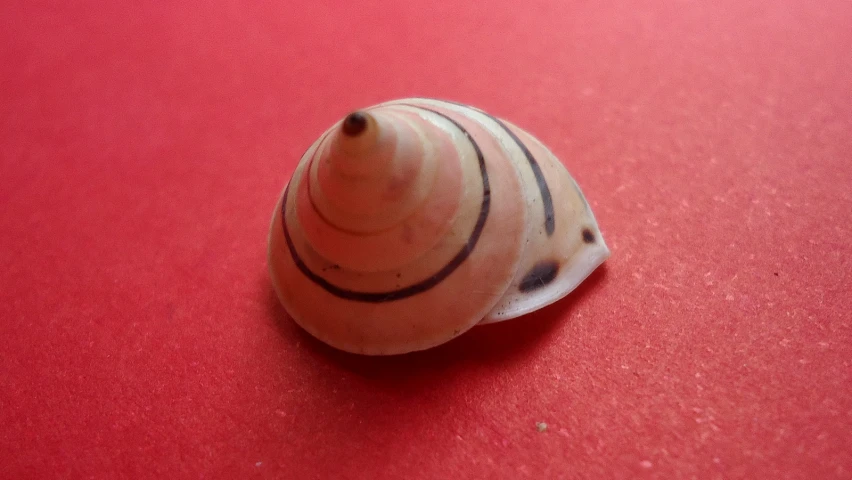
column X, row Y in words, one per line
column 410, row 222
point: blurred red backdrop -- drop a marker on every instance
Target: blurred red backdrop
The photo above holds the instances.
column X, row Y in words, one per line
column 144, row 146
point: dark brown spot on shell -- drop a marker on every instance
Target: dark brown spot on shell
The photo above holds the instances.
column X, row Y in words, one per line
column 354, row 124
column 588, row 236
column 539, row 276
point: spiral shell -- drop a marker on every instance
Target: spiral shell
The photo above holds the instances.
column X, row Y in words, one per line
column 407, row 223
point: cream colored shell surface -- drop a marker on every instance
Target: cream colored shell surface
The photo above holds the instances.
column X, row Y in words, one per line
column 518, row 234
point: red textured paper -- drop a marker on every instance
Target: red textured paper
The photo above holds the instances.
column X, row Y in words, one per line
column 144, row 145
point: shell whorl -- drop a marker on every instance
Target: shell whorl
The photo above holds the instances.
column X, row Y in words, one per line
column 408, row 222
column 369, row 181
column 386, row 196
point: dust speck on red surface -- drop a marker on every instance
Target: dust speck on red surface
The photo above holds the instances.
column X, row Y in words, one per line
column 143, row 146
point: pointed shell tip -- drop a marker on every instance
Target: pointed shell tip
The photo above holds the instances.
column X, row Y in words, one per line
column 355, row 123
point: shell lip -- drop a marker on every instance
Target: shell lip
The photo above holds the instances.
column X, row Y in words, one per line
column 588, row 260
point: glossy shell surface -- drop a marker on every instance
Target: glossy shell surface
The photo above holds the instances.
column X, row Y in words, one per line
column 407, row 223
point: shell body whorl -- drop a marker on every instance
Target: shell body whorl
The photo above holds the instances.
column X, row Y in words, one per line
column 409, row 222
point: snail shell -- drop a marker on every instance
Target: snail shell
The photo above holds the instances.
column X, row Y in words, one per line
column 407, row 223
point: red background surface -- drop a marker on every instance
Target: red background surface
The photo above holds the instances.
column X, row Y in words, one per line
column 144, row 147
